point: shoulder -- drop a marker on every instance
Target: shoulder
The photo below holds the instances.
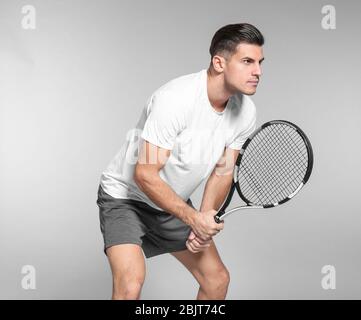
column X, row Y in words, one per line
column 179, row 90
column 181, row 84
column 176, row 96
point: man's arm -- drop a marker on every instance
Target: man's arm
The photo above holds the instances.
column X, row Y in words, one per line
column 215, row 192
column 220, row 181
column 150, row 161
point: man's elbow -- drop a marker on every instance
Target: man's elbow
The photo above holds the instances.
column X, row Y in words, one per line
column 142, row 176
column 224, row 178
column 138, row 176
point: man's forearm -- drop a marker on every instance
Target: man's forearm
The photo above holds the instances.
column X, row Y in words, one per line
column 164, row 197
column 215, row 191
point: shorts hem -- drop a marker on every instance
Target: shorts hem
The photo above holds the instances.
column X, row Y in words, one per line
column 107, row 246
column 163, row 251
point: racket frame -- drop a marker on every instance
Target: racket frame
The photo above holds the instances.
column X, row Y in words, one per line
column 221, row 214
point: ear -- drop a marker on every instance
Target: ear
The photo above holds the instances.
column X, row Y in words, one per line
column 218, row 63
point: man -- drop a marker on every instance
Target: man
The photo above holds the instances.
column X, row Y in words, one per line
column 191, row 128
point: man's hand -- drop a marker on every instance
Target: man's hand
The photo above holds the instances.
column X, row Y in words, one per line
column 195, row 244
column 204, row 226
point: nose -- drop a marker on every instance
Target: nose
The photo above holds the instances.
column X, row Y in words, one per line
column 257, row 70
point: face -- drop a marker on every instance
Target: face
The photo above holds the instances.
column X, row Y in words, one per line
column 242, row 70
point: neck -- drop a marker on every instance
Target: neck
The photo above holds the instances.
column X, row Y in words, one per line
column 218, row 95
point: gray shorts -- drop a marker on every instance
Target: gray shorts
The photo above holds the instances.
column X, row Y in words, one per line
column 131, row 221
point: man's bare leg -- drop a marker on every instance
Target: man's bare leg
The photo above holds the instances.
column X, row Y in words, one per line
column 128, row 269
column 209, row 271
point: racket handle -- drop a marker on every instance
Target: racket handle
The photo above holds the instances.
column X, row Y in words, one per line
column 216, row 217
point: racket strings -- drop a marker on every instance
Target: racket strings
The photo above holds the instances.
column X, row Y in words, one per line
column 269, row 181
column 301, row 166
column 266, row 177
column 273, row 165
column 285, row 163
column 281, row 161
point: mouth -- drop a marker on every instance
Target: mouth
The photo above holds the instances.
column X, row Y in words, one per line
column 253, row 83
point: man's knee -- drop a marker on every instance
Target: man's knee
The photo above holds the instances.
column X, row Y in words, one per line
column 127, row 288
column 128, row 268
column 217, row 279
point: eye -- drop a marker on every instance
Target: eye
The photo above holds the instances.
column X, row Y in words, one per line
column 246, row 61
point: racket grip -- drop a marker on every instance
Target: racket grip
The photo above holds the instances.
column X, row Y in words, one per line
column 216, row 217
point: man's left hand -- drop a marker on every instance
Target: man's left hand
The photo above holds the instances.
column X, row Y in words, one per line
column 196, row 244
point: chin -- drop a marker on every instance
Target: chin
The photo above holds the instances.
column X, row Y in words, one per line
column 248, row 92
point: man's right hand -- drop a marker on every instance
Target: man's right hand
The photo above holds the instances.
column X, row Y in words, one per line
column 204, row 225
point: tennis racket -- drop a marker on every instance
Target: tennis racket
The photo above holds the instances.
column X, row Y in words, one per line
column 275, row 162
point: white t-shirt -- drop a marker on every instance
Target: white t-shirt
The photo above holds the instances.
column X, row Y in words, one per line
column 179, row 117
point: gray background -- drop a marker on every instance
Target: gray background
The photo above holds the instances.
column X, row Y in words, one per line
column 72, row 88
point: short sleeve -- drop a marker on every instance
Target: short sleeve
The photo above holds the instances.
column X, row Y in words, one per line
column 165, row 120
column 241, row 138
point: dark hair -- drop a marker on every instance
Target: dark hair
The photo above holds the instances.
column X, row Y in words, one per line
column 227, row 38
